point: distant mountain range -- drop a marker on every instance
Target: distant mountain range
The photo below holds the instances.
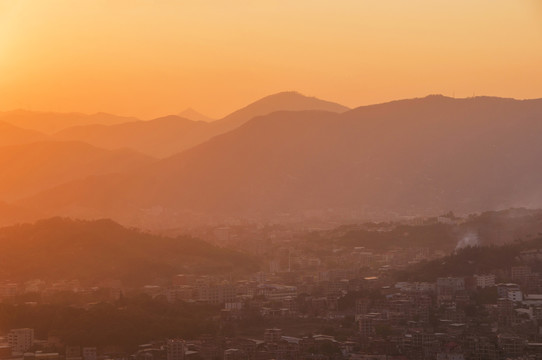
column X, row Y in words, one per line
column 284, row 101
column 50, row 122
column 170, row 135
column 14, row 135
column 418, row 156
column 159, row 137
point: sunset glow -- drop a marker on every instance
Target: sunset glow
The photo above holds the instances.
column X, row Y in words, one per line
column 150, row 58
column 270, row 179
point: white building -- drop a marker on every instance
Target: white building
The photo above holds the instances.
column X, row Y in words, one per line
column 515, row 295
column 504, row 289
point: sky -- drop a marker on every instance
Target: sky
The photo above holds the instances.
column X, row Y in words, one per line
column 149, row 58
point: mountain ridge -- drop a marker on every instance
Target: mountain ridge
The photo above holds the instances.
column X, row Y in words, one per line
column 194, row 115
column 14, row 135
column 161, row 138
column 31, row 168
column 51, row 122
column 412, row 157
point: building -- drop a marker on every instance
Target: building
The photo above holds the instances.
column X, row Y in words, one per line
column 8, row 290
column 366, row 326
column 362, row 306
column 272, row 335
column 234, row 354
column 175, row 349
column 90, row 353
column 40, row 355
column 73, row 353
column 180, row 293
column 520, row 272
column 216, row 293
column 450, row 356
column 515, row 295
column 277, row 292
column 452, row 283
column 20, row 340
column 484, row 281
column 512, row 346
column 504, row 289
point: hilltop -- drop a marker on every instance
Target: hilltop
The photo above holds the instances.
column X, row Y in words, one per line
column 91, row 251
column 169, row 135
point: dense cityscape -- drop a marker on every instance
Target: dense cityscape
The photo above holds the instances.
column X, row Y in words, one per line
column 343, row 302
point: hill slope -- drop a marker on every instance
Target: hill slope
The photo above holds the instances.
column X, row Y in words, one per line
column 13, row 135
column 420, row 156
column 31, row 168
column 159, row 137
column 92, row 251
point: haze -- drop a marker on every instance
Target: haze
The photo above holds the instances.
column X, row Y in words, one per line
column 151, row 58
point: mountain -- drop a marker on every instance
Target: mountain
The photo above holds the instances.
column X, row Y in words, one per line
column 13, row 135
column 193, row 115
column 50, row 122
column 159, row 137
column 169, row 135
column 31, row 168
column 283, row 101
column 412, row 157
column 93, row 251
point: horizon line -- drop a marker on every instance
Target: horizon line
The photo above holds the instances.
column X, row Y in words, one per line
column 135, row 117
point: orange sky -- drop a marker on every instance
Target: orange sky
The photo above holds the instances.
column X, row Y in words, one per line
column 150, row 58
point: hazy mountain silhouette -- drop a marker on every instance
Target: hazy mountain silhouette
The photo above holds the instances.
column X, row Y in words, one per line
column 284, row 101
column 169, row 135
column 159, row 137
column 30, row 168
column 13, row 135
column 50, row 122
column 419, row 156
column 193, row 115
